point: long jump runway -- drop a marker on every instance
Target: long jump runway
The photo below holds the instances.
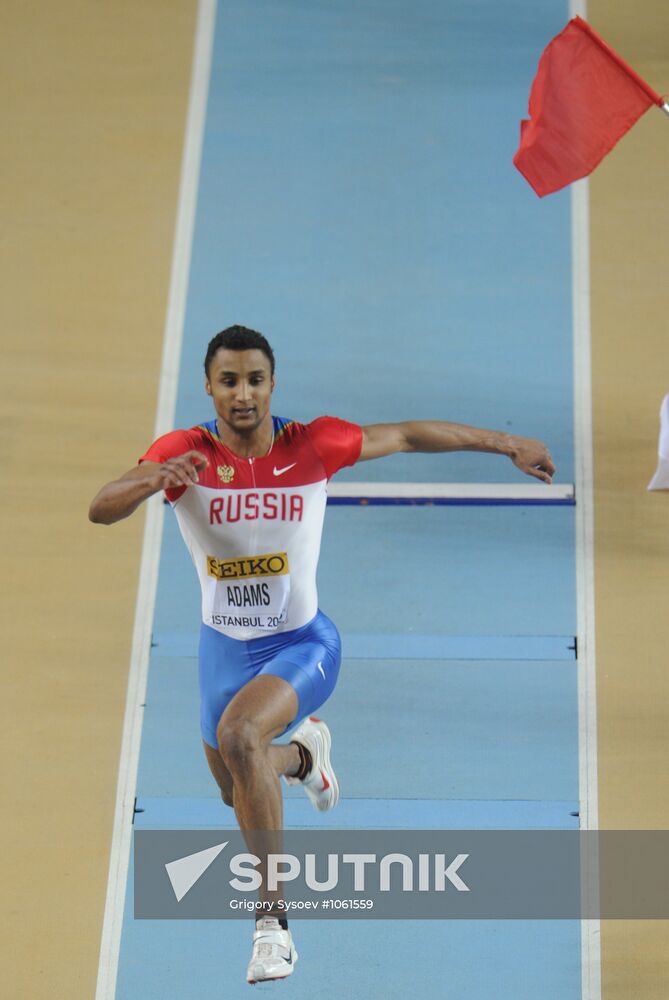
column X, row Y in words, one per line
column 357, row 204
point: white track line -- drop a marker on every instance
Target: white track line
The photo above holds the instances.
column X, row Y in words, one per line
column 585, row 581
column 591, row 971
column 148, row 577
column 591, row 988
column 456, row 491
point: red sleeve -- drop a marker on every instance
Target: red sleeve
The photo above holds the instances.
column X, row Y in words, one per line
column 169, row 446
column 337, row 442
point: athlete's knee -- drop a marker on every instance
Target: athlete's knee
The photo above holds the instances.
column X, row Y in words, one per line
column 238, row 740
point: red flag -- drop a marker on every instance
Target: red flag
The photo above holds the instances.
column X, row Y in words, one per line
column 583, row 100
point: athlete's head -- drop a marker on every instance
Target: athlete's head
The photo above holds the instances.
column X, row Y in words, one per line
column 238, row 338
column 239, row 369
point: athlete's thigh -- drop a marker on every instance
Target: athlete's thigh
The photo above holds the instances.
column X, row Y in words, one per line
column 224, row 669
column 310, row 666
column 268, row 703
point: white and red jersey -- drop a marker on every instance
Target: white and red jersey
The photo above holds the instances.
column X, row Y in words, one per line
column 253, row 525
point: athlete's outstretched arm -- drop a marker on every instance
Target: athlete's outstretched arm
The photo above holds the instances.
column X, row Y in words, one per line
column 532, row 457
column 121, row 497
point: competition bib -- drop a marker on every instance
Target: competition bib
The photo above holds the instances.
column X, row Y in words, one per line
column 250, row 591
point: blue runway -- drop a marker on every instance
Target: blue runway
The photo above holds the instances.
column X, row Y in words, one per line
column 358, row 205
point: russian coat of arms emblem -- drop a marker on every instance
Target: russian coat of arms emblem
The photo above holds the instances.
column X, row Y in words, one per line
column 226, row 473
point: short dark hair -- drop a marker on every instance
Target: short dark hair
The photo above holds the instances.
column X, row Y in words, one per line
column 238, row 338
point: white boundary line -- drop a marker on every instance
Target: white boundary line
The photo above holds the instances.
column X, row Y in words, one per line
column 456, row 491
column 585, row 580
column 591, row 975
column 148, row 576
column 585, row 515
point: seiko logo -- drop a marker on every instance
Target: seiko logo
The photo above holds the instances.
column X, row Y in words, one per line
column 246, row 567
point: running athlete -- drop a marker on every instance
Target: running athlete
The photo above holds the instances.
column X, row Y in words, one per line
column 249, row 492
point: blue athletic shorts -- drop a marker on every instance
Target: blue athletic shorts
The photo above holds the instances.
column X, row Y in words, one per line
column 308, row 658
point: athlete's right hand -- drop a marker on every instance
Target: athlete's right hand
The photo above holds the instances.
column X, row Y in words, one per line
column 182, row 470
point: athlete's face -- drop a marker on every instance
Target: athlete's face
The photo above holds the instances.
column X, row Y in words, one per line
column 240, row 384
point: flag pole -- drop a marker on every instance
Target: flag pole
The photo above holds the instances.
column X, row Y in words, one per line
column 665, row 108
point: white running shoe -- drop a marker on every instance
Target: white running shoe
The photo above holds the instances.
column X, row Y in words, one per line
column 321, row 783
column 274, row 955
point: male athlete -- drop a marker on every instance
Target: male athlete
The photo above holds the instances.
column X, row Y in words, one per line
column 249, row 493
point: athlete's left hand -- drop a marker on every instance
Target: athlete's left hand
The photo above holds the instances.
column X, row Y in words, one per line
column 532, row 457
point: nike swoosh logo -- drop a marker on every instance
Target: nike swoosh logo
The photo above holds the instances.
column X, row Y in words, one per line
column 326, row 783
column 320, row 667
column 280, row 472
